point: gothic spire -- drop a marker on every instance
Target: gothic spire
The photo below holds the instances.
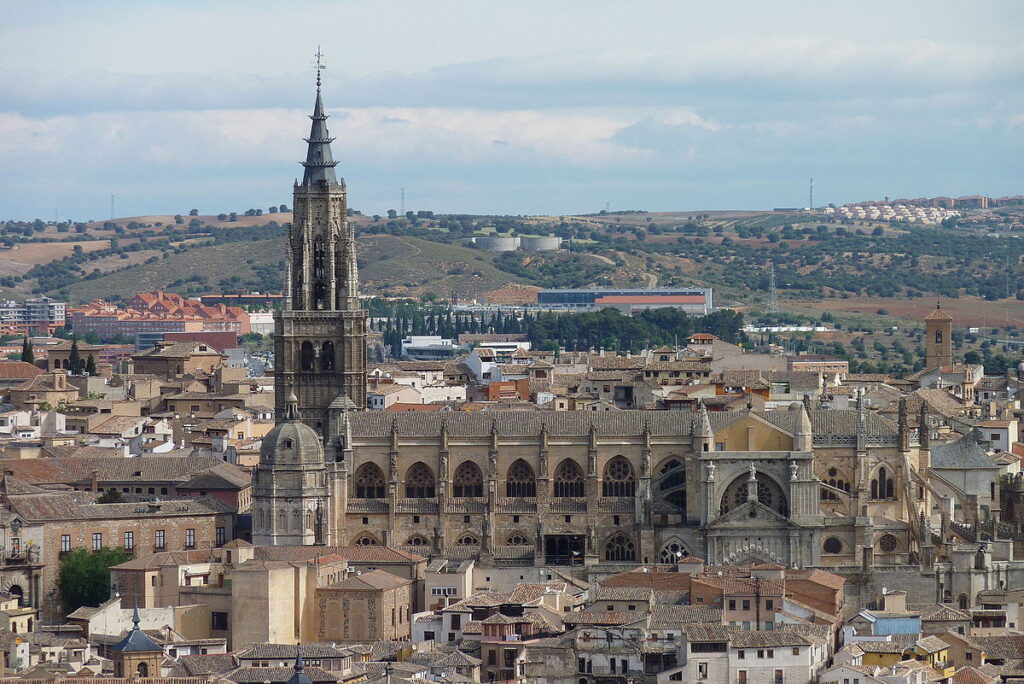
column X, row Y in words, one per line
column 319, row 161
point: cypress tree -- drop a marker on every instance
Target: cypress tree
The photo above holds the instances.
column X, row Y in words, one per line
column 27, row 353
column 90, row 365
column 74, row 358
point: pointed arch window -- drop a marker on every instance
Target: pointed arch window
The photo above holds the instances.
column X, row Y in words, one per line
column 327, row 356
column 517, row 540
column 307, row 357
column 416, row 540
column 673, row 552
column 620, row 548
column 318, row 258
column 520, row 480
column 366, row 540
column 467, row 540
column 673, row 482
column 882, row 485
column 468, row 480
column 369, row 482
column 319, row 297
column 619, row 479
column 568, row 479
column 419, row 482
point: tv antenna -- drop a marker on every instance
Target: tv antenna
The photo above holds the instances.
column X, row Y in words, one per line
column 810, row 195
column 773, row 294
column 111, row 207
column 402, row 204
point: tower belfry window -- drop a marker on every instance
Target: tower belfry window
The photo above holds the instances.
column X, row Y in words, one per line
column 938, row 337
column 318, row 258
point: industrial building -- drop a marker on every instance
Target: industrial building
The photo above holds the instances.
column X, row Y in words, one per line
column 696, row 301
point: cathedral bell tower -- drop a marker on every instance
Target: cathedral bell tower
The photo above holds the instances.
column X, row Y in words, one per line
column 320, row 331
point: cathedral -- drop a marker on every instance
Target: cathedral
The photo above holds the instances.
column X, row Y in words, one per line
column 802, row 486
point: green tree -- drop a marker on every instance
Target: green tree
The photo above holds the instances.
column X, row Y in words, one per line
column 972, row 357
column 85, row 576
column 111, row 496
column 27, row 353
column 90, row 366
column 75, row 357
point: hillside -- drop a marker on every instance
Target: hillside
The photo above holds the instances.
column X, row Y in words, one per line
column 820, row 263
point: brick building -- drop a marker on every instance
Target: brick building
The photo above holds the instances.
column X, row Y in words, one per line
column 172, row 359
column 40, row 526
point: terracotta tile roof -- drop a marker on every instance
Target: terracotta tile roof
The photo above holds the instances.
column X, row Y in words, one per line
column 525, row 593
column 278, row 675
column 78, row 470
column 599, row 617
column 372, row 580
column 82, row 506
column 707, row 632
column 776, row 638
column 623, row 594
column 18, row 370
column 970, row 675
column 214, row 664
column 268, row 651
column 357, row 554
column 674, row 617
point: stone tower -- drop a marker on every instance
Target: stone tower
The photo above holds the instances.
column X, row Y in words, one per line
column 320, row 332
column 938, row 339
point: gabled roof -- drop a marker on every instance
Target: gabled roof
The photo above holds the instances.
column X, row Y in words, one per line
column 371, row 581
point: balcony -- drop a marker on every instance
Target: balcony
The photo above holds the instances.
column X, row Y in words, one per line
column 568, row 505
column 419, row 506
column 367, row 506
column 466, row 506
column 516, row 505
column 617, row 504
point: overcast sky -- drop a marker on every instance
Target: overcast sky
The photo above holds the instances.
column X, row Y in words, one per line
column 485, row 106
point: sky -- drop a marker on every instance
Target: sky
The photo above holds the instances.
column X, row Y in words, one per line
column 527, row 107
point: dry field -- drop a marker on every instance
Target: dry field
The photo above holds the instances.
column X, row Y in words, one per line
column 966, row 311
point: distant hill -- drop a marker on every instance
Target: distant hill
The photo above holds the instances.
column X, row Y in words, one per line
column 816, row 257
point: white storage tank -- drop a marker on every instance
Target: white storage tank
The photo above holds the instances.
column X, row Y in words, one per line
column 497, row 244
column 539, row 244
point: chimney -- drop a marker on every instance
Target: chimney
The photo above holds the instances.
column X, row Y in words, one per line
column 94, row 480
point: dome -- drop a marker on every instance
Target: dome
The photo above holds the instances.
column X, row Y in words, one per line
column 292, row 442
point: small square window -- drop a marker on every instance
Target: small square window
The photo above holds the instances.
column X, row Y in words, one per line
column 465, row 518
column 366, row 521
column 515, row 518
column 615, row 520
column 415, row 518
column 568, row 518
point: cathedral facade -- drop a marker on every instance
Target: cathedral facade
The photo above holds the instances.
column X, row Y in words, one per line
column 798, row 487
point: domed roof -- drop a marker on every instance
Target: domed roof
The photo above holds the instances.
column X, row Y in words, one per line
column 292, row 441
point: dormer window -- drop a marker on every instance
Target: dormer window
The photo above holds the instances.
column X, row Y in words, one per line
column 287, row 444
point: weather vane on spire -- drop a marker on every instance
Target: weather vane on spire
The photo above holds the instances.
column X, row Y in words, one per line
column 320, row 66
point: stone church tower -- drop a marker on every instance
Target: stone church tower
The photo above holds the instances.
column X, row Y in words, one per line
column 938, row 339
column 320, row 332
